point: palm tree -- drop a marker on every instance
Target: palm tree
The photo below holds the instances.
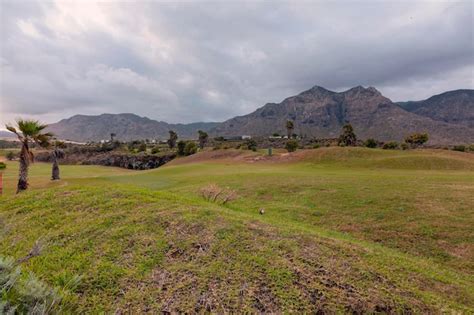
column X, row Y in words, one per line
column 28, row 131
column 203, row 136
column 289, row 128
column 56, row 155
column 172, row 139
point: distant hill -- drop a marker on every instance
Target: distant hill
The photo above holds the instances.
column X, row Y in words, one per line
column 317, row 112
column 456, row 107
column 322, row 113
column 125, row 126
column 7, row 135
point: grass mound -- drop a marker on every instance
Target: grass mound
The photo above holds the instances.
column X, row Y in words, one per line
column 138, row 250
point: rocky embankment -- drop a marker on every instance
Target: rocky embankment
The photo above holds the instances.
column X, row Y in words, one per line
column 124, row 160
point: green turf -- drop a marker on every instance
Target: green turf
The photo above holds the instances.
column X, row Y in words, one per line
column 344, row 230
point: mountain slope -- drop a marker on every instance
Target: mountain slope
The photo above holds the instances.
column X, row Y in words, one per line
column 322, row 113
column 456, row 107
column 125, row 126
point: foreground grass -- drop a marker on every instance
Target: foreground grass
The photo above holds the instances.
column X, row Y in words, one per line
column 347, row 230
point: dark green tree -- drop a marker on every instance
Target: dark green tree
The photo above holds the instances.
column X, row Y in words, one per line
column 290, row 126
column 203, row 137
column 348, row 137
column 172, row 139
column 56, row 155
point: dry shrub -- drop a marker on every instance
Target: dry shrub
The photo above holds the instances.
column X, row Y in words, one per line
column 214, row 193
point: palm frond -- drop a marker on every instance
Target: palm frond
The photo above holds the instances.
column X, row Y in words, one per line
column 30, row 127
column 13, row 129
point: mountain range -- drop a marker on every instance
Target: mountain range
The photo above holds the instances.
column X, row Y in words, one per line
column 317, row 112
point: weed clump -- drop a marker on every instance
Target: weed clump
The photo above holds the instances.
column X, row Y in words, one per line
column 214, row 193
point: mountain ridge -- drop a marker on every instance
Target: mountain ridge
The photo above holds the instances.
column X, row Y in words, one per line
column 317, row 112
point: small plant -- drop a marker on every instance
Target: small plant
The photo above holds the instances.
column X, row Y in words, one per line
column 2, row 166
column 404, row 146
column 392, row 145
column 251, row 144
column 460, row 148
column 371, row 143
column 291, row 145
column 214, row 193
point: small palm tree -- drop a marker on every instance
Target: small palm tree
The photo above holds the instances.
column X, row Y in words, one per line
column 56, row 155
column 290, row 126
column 28, row 131
column 203, row 136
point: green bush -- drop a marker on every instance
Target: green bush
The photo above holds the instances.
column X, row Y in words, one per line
column 371, row 143
column 417, row 139
column 291, row 145
column 251, row 144
column 181, row 146
column 155, row 150
column 190, row 148
column 2, row 166
column 404, row 146
column 392, row 145
column 460, row 148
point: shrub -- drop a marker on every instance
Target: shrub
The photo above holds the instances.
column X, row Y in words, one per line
column 316, row 146
column 190, row 148
column 2, row 166
column 141, row 147
column 155, row 150
column 217, row 194
column 10, row 155
column 392, row 145
column 291, row 145
column 471, row 148
column 371, row 143
column 404, row 146
column 460, row 148
column 251, row 144
column 181, row 146
column 417, row 139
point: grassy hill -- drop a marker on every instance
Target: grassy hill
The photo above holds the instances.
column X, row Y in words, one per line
column 344, row 229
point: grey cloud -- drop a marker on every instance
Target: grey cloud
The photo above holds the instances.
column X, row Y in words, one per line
column 190, row 61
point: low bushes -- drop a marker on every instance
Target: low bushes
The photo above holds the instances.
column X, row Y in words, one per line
column 2, row 166
column 291, row 145
column 392, row 145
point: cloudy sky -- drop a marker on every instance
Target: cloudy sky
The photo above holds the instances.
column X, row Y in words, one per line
column 208, row 61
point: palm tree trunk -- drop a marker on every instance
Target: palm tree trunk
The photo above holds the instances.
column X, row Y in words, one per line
column 23, row 172
column 55, row 172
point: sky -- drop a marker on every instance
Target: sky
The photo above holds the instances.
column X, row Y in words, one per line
column 185, row 61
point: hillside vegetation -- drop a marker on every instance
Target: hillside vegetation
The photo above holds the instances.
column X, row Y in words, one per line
column 343, row 230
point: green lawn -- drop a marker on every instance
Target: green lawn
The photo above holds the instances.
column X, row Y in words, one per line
column 344, row 229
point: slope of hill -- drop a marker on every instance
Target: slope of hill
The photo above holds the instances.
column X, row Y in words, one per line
column 456, row 107
column 322, row 113
column 125, row 126
column 336, row 237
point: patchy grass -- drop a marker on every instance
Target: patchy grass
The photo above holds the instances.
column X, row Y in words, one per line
column 340, row 232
